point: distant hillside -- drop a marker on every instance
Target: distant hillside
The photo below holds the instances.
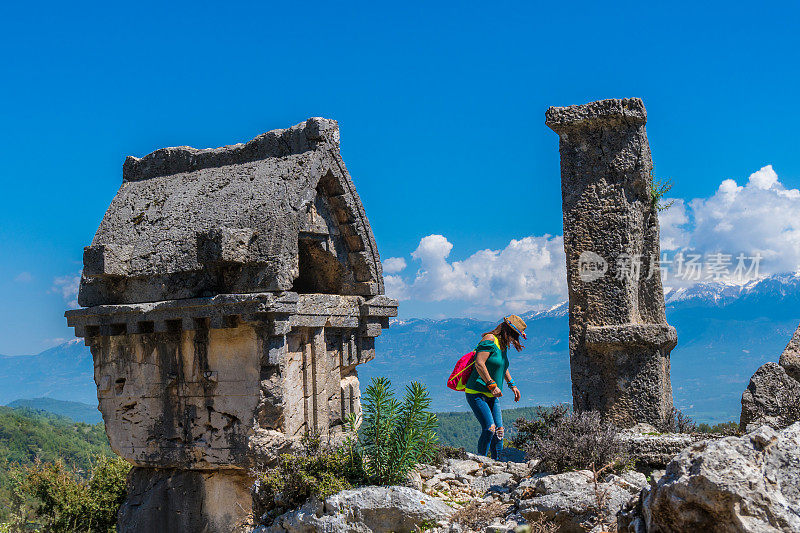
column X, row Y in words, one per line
column 725, row 333
column 462, row 429
column 77, row 411
column 27, row 435
column 65, row 372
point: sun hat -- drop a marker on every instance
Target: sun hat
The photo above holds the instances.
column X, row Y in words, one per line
column 517, row 324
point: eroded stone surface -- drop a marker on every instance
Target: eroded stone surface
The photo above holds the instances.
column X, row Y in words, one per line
column 653, row 450
column 185, row 500
column 238, row 219
column 790, row 358
column 619, row 337
column 365, row 509
column 232, row 293
column 772, row 397
column 735, row 484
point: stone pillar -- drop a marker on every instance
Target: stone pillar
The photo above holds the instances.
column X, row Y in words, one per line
column 619, row 337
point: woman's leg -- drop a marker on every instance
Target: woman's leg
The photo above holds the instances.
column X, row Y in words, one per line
column 497, row 417
column 478, row 404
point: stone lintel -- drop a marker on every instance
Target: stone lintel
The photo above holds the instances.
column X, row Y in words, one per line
column 611, row 111
column 626, row 335
column 281, row 311
column 380, row 306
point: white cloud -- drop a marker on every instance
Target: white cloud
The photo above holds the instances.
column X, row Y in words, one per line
column 24, row 277
column 67, row 287
column 760, row 217
column 395, row 287
column 394, row 265
column 673, row 222
column 527, row 273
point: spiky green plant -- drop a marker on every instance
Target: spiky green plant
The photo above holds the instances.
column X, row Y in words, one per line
column 394, row 436
column 658, row 189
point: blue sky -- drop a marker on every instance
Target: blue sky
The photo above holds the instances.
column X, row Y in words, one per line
column 441, row 110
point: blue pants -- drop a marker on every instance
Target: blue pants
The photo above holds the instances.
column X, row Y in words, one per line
column 487, row 411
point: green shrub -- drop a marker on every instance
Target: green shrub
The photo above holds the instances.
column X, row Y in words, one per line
column 318, row 471
column 543, row 419
column 659, row 189
column 678, row 423
column 566, row 441
column 393, row 439
column 51, row 497
column 728, row 429
column 395, row 436
column 27, row 435
column 443, row 453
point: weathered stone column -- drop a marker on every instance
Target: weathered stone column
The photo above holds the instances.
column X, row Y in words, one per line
column 619, row 337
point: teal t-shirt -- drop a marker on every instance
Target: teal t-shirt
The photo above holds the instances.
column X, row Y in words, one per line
column 496, row 365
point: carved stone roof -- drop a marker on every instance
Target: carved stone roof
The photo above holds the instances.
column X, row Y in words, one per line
column 278, row 213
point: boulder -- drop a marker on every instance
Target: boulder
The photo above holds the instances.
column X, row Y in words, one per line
column 464, row 467
column 499, row 482
column 790, row 358
column 772, row 397
column 735, row 484
column 365, row 509
column 572, row 501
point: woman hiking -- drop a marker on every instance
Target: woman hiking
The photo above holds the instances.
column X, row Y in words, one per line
column 483, row 391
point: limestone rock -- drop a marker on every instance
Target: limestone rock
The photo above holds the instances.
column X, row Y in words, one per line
column 366, row 509
column 790, row 358
column 494, row 482
column 184, row 500
column 570, row 499
column 462, row 466
column 772, row 397
column 652, row 450
column 736, row 484
column 619, row 337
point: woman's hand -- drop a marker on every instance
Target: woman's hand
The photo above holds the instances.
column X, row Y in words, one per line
column 497, row 392
column 517, row 395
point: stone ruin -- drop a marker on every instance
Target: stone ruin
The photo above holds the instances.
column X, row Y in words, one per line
column 229, row 295
column 619, row 339
column 773, row 395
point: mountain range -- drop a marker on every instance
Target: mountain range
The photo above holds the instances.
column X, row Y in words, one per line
column 725, row 332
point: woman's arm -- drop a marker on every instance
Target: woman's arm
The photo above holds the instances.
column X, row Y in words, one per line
column 480, row 366
column 513, row 387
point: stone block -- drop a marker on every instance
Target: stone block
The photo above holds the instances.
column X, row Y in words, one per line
column 107, row 260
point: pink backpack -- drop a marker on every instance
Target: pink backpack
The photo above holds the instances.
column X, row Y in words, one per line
column 462, row 371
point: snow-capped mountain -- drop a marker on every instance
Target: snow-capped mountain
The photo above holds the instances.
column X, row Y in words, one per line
column 725, row 332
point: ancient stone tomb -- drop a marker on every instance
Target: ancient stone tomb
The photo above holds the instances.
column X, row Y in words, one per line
column 229, row 295
column 619, row 339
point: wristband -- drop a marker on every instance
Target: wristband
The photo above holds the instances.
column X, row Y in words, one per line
column 491, row 386
column 511, row 384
